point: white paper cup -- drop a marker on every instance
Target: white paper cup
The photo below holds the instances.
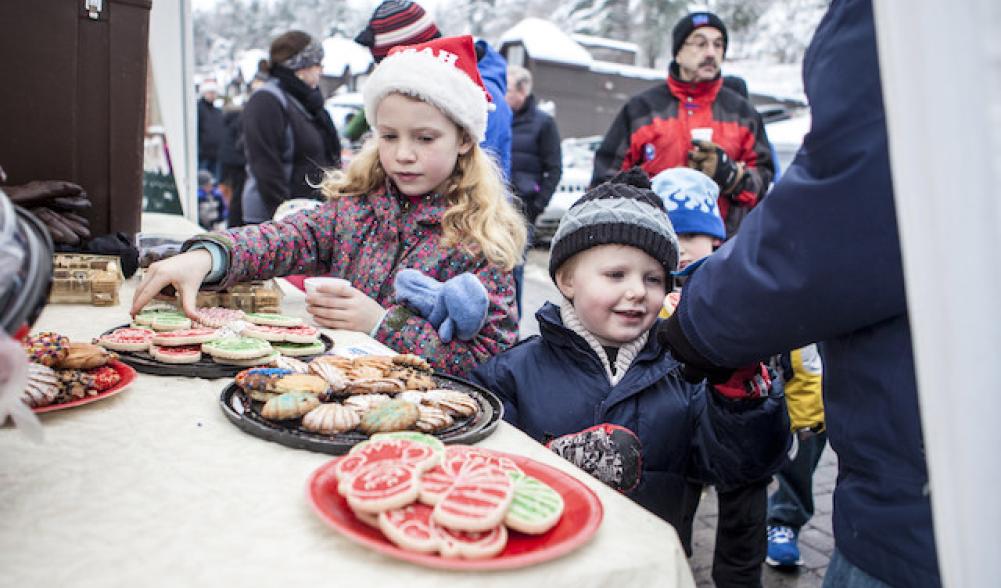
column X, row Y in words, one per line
column 702, row 134
column 313, row 283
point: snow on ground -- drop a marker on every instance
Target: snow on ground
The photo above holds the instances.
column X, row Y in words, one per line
column 340, row 52
column 781, row 80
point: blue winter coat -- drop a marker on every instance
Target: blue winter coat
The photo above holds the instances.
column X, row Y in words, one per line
column 819, row 260
column 493, row 70
column 555, row 384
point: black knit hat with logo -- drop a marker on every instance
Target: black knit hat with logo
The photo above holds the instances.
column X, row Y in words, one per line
column 689, row 23
column 621, row 211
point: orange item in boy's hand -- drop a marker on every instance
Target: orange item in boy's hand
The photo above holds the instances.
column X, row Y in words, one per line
column 671, row 302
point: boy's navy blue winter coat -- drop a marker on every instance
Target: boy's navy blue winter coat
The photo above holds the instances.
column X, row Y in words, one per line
column 555, row 384
column 819, row 260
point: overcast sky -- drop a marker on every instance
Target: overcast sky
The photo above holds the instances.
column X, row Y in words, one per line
column 363, row 4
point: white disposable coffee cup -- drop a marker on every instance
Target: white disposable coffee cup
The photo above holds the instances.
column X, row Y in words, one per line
column 702, row 134
column 313, row 283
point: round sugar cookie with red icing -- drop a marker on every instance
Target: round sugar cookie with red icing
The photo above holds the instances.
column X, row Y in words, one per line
column 471, row 545
column 105, row 377
column 382, row 486
column 218, row 317
column 410, row 527
column 127, row 339
column 184, row 337
column 178, row 354
column 420, row 456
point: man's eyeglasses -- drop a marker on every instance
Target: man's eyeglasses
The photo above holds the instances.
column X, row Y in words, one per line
column 702, row 44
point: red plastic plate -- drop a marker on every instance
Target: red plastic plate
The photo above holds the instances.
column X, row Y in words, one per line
column 581, row 517
column 127, row 374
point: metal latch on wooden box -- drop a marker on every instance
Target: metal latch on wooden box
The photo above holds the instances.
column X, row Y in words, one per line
column 93, row 8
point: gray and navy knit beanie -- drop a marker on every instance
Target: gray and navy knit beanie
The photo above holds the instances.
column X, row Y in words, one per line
column 621, row 211
column 295, row 50
column 689, row 23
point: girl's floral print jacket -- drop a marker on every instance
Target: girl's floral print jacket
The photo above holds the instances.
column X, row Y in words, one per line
column 367, row 240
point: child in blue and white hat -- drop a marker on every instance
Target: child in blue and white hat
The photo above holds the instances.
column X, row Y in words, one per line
column 690, row 199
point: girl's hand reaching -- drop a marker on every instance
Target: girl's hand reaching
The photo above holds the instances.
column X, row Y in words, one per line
column 344, row 307
column 184, row 272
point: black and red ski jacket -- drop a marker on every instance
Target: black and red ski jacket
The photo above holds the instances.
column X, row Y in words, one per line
column 653, row 130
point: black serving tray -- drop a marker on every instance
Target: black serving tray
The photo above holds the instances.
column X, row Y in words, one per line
column 244, row 412
column 203, row 368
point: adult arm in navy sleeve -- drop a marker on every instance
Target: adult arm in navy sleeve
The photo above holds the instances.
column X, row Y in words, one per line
column 819, row 257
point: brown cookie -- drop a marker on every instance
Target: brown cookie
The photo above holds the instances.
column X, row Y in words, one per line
column 395, row 415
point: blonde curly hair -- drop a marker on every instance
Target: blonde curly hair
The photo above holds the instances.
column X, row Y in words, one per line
column 480, row 216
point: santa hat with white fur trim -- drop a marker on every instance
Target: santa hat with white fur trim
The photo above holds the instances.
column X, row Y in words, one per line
column 441, row 72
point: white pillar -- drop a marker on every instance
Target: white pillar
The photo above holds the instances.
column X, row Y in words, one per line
column 171, row 53
column 941, row 73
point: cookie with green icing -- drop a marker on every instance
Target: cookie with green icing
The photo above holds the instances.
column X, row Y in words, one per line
column 170, row 322
column 276, row 320
column 395, row 415
column 237, row 348
column 536, row 507
column 299, row 349
column 146, row 317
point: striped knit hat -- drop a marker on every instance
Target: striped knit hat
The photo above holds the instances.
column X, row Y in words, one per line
column 621, row 211
column 396, row 22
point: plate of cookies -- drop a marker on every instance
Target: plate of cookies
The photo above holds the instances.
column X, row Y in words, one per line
column 331, row 403
column 63, row 374
column 456, row 507
column 163, row 341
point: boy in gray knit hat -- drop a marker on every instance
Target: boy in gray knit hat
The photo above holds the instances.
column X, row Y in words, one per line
column 603, row 393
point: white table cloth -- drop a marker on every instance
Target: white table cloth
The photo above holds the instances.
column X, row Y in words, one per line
column 154, row 487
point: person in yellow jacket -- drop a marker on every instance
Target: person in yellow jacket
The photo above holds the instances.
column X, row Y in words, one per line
column 791, row 506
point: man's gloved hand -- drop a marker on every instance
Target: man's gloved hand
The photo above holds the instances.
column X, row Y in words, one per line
column 610, row 453
column 746, row 383
column 68, row 228
column 54, row 194
column 694, row 367
column 710, row 159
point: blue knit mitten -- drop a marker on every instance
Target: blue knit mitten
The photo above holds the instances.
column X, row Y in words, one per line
column 457, row 308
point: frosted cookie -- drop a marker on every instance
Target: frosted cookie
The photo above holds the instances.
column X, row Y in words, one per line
column 330, row 419
column 431, row 419
column 74, row 385
column 264, row 360
column 42, row 386
column 301, row 334
column 259, row 383
column 437, row 447
column 471, row 545
column 105, row 377
column 127, row 339
column 536, row 507
column 307, row 383
column 290, row 405
column 382, row 486
column 292, row 364
column 145, row 317
column 85, row 356
column 375, row 386
column 334, row 376
column 185, row 337
column 366, row 402
column 395, row 415
column 217, row 316
column 47, row 348
column 166, row 322
column 299, row 349
column 410, row 527
column 237, row 348
column 454, row 402
column 420, row 456
column 176, row 354
column 477, row 500
column 275, row 320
